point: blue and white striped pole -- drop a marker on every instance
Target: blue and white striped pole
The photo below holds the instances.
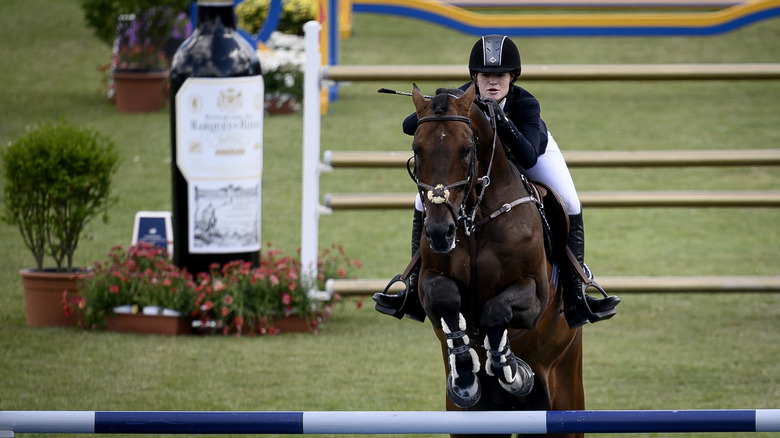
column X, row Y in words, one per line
column 388, row 422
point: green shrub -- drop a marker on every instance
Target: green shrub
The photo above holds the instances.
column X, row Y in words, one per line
column 251, row 15
column 57, row 179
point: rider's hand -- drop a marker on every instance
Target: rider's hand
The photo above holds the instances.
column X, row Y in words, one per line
column 487, row 103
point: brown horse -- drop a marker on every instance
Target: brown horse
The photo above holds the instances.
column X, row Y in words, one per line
column 485, row 278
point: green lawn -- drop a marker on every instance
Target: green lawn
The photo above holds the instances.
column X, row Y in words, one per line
column 682, row 351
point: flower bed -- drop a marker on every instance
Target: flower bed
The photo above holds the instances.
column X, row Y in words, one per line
column 235, row 298
column 282, row 60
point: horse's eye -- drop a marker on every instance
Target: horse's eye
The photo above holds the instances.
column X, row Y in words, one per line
column 466, row 155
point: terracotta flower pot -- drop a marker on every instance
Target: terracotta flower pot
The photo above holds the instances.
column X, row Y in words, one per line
column 294, row 324
column 139, row 91
column 148, row 324
column 43, row 296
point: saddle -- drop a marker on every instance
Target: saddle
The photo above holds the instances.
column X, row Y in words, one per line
column 556, row 221
column 556, row 224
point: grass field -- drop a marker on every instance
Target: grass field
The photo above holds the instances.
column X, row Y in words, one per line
column 661, row 352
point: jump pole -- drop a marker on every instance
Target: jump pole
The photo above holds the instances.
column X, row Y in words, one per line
column 388, row 422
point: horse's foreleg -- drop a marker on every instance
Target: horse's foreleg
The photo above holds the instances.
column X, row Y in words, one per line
column 462, row 383
column 514, row 375
column 517, row 305
column 442, row 303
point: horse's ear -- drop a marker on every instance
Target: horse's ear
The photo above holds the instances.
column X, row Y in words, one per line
column 465, row 101
column 420, row 103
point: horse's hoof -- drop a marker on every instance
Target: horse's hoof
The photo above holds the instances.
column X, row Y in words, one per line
column 464, row 397
column 519, row 387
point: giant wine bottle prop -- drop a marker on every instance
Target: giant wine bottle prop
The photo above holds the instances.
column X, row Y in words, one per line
column 216, row 101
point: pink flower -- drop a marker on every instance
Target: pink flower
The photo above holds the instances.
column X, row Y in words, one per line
column 114, row 289
column 286, row 299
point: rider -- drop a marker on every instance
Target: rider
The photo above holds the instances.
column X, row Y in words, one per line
column 494, row 64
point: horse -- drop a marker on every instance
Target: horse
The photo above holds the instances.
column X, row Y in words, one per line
column 486, row 281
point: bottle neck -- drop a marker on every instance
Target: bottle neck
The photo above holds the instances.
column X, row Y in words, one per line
column 213, row 11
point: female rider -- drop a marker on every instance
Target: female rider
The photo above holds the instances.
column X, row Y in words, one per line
column 494, row 65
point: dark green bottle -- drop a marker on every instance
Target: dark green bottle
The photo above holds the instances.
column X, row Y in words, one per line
column 216, row 101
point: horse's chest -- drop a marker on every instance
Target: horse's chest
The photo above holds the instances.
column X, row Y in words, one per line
column 484, row 263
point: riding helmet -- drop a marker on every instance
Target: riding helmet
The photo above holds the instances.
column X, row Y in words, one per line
column 494, row 54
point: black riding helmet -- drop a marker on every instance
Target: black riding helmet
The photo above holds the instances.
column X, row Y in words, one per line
column 494, row 54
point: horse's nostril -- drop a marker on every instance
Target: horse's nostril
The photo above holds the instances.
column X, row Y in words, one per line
column 450, row 231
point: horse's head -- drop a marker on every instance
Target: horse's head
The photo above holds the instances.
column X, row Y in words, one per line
column 445, row 161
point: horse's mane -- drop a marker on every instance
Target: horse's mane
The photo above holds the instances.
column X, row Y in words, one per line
column 440, row 102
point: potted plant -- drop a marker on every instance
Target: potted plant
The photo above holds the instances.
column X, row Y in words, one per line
column 282, row 56
column 234, row 298
column 141, row 33
column 138, row 287
column 58, row 179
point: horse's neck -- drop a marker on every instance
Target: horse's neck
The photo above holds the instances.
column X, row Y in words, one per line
column 505, row 179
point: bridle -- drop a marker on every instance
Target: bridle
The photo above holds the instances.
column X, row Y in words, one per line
column 439, row 194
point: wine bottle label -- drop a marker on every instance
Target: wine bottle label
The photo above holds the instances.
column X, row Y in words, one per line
column 219, row 151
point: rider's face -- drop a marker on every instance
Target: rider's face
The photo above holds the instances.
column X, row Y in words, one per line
column 493, row 85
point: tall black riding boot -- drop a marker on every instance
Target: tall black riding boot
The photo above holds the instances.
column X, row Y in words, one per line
column 407, row 302
column 579, row 307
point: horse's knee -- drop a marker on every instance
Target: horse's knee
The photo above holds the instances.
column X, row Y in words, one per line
column 497, row 313
column 442, row 298
column 518, row 306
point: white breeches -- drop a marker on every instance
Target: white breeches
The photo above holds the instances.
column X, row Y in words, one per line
column 551, row 169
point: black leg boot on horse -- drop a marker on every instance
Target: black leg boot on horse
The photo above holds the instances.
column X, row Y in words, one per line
column 579, row 307
column 407, row 302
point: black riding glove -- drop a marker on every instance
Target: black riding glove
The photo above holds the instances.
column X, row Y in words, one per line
column 487, row 103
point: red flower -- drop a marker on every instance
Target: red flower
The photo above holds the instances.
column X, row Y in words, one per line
column 114, row 289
